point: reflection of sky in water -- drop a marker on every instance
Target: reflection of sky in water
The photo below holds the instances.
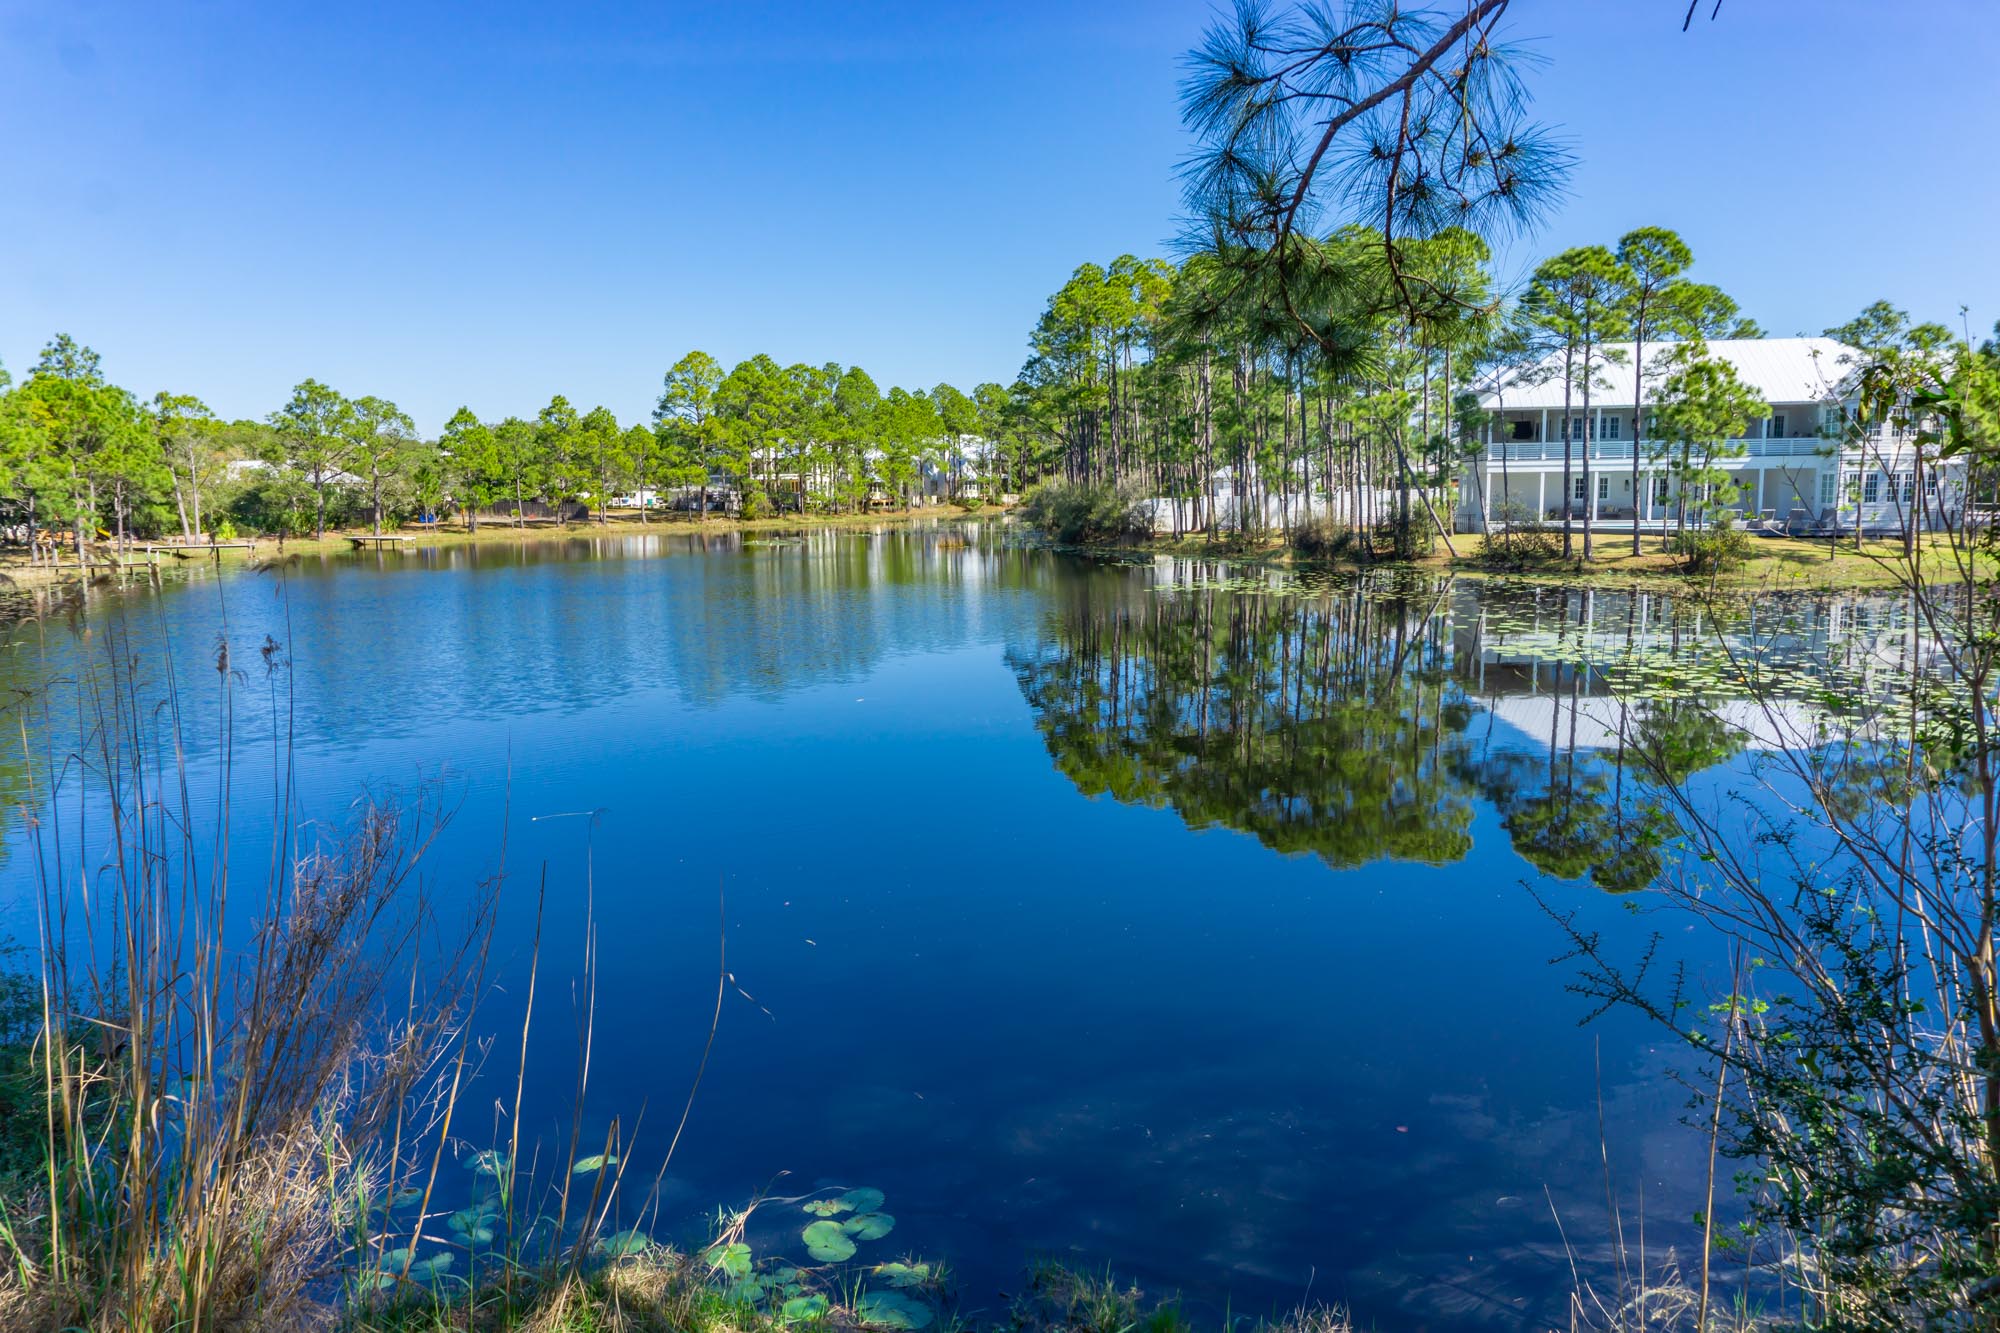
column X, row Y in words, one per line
column 1043, row 1023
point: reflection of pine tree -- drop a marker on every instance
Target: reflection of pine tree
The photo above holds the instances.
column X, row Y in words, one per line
column 1324, row 725
column 1336, row 724
column 1572, row 815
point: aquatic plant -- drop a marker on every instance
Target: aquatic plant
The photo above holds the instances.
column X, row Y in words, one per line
column 828, row 1242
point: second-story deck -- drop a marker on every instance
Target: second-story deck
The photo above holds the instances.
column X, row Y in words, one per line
column 1654, row 450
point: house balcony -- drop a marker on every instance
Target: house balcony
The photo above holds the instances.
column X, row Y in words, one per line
column 1620, row 451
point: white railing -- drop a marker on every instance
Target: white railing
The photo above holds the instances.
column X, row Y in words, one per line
column 1533, row 451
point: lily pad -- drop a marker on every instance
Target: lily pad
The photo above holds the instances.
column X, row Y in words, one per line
column 435, row 1266
column 826, row 1242
column 864, row 1200
column 474, row 1224
column 392, row 1263
column 892, row 1309
column 827, row 1207
column 802, row 1309
column 904, row 1275
column 733, row 1259
column 596, row 1163
column 869, row 1226
column 622, row 1244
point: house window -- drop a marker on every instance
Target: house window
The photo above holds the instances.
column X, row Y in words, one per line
column 1524, row 430
column 1576, row 488
column 1660, row 488
column 1829, row 487
column 1604, row 485
column 1611, row 428
column 1871, row 488
column 1775, row 427
column 1906, row 487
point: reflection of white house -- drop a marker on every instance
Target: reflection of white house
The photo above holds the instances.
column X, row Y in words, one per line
column 1790, row 470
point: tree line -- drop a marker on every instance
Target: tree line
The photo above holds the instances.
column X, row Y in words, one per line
column 95, row 461
column 1233, row 404
column 1244, row 404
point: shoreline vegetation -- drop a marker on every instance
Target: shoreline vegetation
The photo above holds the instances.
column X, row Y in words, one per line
column 1098, row 520
column 17, row 571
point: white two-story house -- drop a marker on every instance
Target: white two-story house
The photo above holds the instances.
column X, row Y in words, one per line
column 1792, row 469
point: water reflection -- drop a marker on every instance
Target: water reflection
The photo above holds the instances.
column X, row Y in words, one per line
column 1325, row 723
column 1360, row 719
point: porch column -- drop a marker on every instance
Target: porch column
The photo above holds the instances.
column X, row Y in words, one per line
column 1486, row 480
column 1542, row 488
column 1545, row 428
column 1757, row 495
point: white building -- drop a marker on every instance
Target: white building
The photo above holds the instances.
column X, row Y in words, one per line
column 1792, row 469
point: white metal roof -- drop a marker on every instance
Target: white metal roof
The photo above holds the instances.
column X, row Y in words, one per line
column 1783, row 370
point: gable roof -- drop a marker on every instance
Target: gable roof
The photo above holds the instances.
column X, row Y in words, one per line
column 1783, row 370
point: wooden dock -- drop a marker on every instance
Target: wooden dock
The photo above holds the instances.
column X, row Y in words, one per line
column 390, row 540
column 183, row 550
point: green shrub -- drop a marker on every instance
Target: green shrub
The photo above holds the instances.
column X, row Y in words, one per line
column 971, row 504
column 1327, row 539
column 1520, row 539
column 1712, row 550
column 756, row 504
column 1411, row 536
column 1086, row 515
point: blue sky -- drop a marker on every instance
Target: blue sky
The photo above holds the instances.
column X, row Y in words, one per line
column 488, row 204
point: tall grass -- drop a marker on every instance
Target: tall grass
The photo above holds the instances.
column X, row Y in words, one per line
column 250, row 1080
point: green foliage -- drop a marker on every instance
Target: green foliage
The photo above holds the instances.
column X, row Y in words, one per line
column 803, row 1309
column 892, row 1310
column 869, row 1226
column 1712, row 550
column 1411, row 536
column 1085, row 514
column 732, row 1259
column 827, row 1242
column 1522, row 539
column 1327, row 539
column 1702, row 407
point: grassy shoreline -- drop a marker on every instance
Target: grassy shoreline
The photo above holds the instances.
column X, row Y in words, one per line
column 16, row 570
column 1775, row 563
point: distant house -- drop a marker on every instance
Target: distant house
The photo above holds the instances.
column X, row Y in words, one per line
column 1792, row 468
column 257, row 469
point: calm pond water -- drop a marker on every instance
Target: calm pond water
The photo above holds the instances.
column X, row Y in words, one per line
column 1144, row 916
